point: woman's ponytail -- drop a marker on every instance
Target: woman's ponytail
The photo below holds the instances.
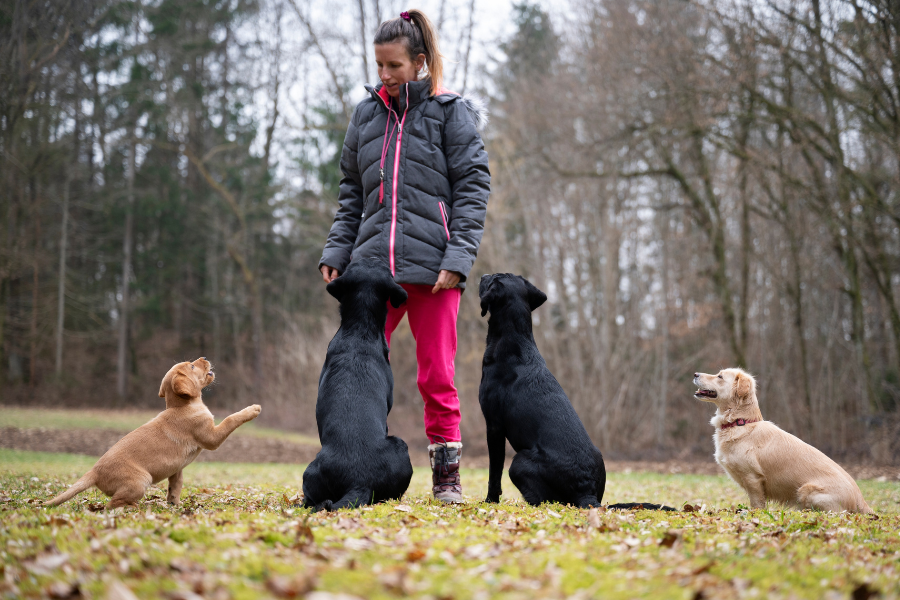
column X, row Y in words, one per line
column 420, row 37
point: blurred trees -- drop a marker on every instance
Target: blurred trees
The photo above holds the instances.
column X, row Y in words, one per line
column 695, row 184
column 709, row 184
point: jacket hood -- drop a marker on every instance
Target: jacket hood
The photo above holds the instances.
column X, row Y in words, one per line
column 419, row 91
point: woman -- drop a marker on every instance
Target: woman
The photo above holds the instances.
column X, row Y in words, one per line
column 414, row 193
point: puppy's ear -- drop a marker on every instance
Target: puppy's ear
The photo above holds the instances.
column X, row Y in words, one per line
column 535, row 296
column 396, row 294
column 162, row 388
column 337, row 288
column 183, row 386
column 743, row 388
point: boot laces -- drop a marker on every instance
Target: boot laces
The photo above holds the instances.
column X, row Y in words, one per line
column 442, row 459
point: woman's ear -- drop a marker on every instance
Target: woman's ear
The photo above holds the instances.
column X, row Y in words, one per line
column 535, row 296
column 420, row 62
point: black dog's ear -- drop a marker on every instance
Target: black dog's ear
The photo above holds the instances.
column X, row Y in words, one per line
column 396, row 294
column 337, row 288
column 535, row 296
column 485, row 293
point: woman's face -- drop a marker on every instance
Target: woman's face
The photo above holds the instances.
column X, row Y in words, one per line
column 395, row 67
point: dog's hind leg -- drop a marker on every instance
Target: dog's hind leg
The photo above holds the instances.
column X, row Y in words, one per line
column 354, row 499
column 527, row 476
column 129, row 493
column 175, row 482
column 813, row 495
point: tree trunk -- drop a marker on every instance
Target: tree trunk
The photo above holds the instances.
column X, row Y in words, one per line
column 122, row 355
column 61, row 291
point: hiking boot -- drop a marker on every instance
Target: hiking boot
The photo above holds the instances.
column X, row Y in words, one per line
column 445, row 471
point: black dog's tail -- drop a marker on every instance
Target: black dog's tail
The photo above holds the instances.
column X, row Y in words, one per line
column 640, row 506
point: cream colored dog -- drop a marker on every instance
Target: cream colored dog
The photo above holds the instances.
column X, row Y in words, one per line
column 769, row 463
column 163, row 447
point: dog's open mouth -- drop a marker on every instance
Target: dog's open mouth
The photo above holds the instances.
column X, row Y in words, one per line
column 701, row 393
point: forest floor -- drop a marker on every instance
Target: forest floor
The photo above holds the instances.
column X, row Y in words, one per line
column 236, row 535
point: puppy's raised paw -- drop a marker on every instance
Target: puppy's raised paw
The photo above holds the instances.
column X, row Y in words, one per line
column 251, row 412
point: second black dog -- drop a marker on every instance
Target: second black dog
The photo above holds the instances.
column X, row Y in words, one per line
column 522, row 402
column 359, row 462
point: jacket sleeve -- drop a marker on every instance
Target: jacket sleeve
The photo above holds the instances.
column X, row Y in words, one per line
column 470, row 184
column 342, row 237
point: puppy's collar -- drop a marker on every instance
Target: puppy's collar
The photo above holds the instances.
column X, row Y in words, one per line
column 738, row 423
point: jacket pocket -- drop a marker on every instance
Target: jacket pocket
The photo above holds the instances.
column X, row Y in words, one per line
column 443, row 212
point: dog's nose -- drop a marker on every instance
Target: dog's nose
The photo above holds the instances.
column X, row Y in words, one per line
column 696, row 374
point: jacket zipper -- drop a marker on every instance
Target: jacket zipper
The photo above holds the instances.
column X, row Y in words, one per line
column 444, row 218
column 394, row 184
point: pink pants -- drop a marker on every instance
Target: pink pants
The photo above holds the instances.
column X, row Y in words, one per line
column 432, row 319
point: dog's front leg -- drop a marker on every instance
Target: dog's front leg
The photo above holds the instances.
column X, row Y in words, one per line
column 756, row 489
column 211, row 435
column 496, row 441
column 175, row 481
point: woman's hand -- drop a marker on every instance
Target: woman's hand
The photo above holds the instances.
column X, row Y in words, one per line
column 329, row 274
column 446, row 280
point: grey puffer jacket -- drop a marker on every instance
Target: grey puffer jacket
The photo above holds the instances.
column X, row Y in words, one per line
column 421, row 210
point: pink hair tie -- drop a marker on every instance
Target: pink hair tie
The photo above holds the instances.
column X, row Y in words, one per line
column 405, row 15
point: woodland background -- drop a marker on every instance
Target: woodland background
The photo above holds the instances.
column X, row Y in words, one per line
column 695, row 184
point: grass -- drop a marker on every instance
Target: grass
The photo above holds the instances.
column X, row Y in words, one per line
column 118, row 420
column 237, row 536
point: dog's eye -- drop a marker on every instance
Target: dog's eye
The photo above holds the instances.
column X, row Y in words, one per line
column 720, row 377
column 192, row 367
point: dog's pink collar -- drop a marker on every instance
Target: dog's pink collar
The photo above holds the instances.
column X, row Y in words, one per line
column 738, row 423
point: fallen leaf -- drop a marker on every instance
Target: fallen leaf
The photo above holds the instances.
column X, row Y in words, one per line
column 403, row 508
column 95, row 507
column 184, row 595
column 395, row 580
column 59, row 521
column 119, row 591
column 45, row 564
column 358, row 544
column 704, row 568
column 304, row 533
column 554, row 514
column 60, row 589
column 182, row 565
column 330, row 596
column 284, row 586
column 689, row 508
column 594, row 518
column 670, row 537
column 415, row 555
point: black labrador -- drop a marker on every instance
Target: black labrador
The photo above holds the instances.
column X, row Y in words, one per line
column 359, row 463
column 523, row 402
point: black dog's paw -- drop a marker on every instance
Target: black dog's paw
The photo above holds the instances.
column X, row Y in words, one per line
column 493, row 499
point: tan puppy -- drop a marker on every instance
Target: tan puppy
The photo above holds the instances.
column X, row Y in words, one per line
column 769, row 463
column 161, row 448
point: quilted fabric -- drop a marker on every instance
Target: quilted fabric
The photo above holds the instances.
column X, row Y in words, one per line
column 442, row 185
